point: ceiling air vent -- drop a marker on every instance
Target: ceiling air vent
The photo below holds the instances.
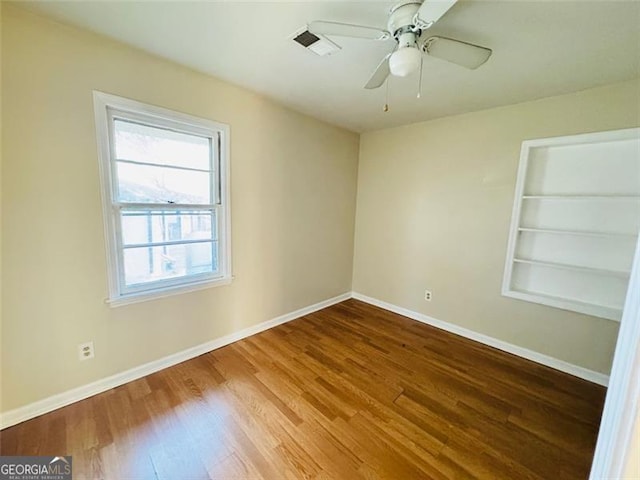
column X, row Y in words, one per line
column 316, row 43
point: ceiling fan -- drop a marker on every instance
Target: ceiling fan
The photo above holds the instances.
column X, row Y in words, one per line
column 408, row 23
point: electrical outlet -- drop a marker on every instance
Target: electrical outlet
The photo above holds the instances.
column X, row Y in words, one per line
column 85, row 351
column 427, row 295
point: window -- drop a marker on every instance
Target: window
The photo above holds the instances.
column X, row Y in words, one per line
column 165, row 197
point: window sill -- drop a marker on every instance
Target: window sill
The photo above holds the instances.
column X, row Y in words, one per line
column 166, row 292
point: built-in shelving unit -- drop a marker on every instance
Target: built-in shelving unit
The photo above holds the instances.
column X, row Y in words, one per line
column 575, row 222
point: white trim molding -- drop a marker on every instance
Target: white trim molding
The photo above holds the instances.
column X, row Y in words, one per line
column 613, row 450
column 540, row 358
column 46, row 405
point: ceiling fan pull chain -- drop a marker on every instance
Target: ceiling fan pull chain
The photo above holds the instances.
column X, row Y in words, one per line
column 386, row 96
column 420, row 78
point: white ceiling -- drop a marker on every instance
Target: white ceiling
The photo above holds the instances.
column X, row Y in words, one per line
column 540, row 48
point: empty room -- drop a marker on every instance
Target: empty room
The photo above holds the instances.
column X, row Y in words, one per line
column 320, row 240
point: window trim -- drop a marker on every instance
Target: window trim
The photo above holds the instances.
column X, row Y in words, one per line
column 104, row 107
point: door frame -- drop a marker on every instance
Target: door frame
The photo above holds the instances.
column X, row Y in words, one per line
column 621, row 405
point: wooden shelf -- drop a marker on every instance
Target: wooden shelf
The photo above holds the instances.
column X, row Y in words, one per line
column 577, row 268
column 577, row 232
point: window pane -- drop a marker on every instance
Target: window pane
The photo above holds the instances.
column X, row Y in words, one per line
column 149, row 264
column 142, row 143
column 152, row 226
column 149, row 184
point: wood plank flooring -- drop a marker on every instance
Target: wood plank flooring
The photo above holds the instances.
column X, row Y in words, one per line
column 348, row 392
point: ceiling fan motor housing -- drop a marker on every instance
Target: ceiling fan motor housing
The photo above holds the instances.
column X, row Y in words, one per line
column 401, row 18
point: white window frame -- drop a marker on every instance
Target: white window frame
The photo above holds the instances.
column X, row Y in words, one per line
column 106, row 107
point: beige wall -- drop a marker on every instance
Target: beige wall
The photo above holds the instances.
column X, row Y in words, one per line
column 293, row 207
column 434, row 208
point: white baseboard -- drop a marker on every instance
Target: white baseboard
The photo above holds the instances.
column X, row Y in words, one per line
column 555, row 363
column 35, row 409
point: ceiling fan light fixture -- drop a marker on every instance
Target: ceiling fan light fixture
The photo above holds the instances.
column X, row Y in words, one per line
column 404, row 61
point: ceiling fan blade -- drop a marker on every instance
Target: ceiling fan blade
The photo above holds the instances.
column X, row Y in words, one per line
column 461, row 53
column 347, row 30
column 431, row 11
column 380, row 75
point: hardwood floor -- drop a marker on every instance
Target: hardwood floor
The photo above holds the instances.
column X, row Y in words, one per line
column 349, row 392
